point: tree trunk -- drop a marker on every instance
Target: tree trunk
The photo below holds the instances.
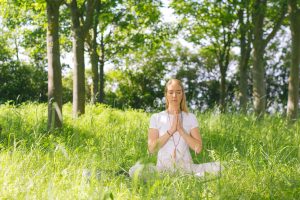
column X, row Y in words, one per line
column 223, row 60
column 54, row 67
column 80, row 29
column 94, row 57
column 259, row 45
column 101, row 74
column 259, row 88
column 78, row 74
column 245, row 40
column 223, row 88
column 293, row 89
column 94, row 61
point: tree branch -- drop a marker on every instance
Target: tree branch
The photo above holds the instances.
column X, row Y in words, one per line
column 89, row 15
column 277, row 25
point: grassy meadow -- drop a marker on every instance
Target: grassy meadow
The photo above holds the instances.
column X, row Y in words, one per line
column 89, row 157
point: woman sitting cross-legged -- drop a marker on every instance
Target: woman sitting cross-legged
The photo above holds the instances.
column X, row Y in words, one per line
column 173, row 132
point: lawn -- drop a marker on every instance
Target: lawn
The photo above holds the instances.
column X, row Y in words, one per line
column 88, row 158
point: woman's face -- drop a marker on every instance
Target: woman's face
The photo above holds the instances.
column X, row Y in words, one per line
column 174, row 94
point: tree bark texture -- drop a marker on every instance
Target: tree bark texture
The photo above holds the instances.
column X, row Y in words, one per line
column 293, row 88
column 245, row 46
column 223, row 89
column 94, row 62
column 54, row 66
column 101, row 74
column 80, row 29
column 259, row 86
column 94, row 56
column 78, row 75
column 223, row 61
column 260, row 42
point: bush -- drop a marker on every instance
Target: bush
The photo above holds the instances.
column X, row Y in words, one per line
column 20, row 82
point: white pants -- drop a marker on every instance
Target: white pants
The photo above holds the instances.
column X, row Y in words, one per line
column 196, row 169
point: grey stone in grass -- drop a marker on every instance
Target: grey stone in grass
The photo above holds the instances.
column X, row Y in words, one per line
column 86, row 174
column 144, row 172
column 98, row 174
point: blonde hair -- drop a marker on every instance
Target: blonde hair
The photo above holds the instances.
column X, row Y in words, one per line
column 183, row 106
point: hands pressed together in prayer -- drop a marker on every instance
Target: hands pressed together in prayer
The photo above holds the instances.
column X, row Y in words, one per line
column 176, row 125
column 193, row 139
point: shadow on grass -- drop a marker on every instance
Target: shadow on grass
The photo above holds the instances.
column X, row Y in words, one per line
column 109, row 152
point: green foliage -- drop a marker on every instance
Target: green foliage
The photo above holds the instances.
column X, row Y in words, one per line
column 25, row 24
column 277, row 73
column 5, row 52
column 88, row 157
column 141, row 84
column 138, row 44
column 209, row 20
column 23, row 34
column 67, row 84
column 126, row 26
column 20, row 82
column 125, row 89
column 212, row 26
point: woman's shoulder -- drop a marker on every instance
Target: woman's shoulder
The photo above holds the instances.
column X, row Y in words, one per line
column 192, row 119
column 189, row 114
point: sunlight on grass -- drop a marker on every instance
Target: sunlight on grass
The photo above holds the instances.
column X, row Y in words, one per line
column 89, row 157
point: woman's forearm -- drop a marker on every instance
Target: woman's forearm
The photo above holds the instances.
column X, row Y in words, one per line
column 155, row 145
column 193, row 143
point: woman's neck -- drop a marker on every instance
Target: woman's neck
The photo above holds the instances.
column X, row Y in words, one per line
column 173, row 109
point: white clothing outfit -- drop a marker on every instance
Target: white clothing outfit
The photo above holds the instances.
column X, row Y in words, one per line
column 175, row 154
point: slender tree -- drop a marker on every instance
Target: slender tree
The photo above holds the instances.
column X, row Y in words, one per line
column 101, row 72
column 293, row 89
column 260, row 41
column 82, row 18
column 54, row 66
column 245, row 33
column 94, row 57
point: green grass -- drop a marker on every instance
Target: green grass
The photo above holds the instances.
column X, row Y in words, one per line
column 262, row 157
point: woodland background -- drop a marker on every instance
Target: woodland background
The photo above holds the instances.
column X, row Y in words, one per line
column 232, row 55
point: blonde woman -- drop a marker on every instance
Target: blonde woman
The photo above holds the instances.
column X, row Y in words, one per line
column 173, row 132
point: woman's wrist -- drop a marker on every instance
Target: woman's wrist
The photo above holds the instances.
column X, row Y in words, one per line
column 181, row 131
